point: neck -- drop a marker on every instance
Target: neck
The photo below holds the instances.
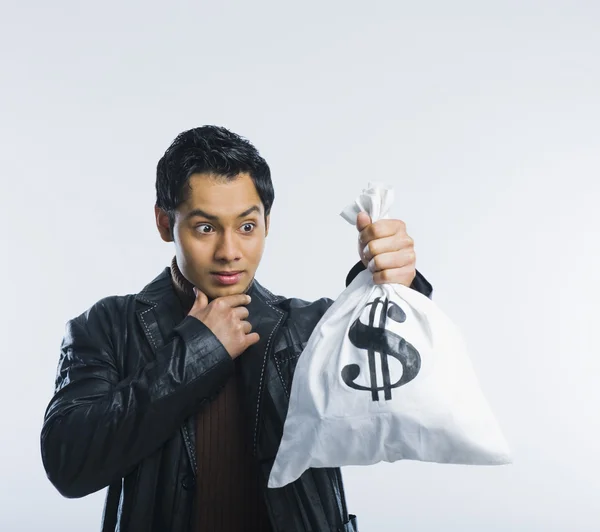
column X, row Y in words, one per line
column 183, row 288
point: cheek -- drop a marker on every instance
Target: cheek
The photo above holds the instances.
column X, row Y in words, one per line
column 191, row 247
column 254, row 249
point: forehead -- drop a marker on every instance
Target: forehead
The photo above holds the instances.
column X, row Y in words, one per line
column 220, row 196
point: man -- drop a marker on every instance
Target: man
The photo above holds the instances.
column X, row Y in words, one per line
column 175, row 398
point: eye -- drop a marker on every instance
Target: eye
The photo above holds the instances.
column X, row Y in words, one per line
column 202, row 225
column 251, row 225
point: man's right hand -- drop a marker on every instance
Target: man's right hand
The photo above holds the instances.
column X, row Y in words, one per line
column 224, row 316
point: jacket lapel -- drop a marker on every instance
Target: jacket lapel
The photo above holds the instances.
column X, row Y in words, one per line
column 158, row 314
column 159, row 311
column 265, row 318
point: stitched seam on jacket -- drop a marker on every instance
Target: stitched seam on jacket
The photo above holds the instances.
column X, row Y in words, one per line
column 287, row 357
column 190, row 448
column 281, row 376
column 262, row 373
column 269, row 292
column 146, row 326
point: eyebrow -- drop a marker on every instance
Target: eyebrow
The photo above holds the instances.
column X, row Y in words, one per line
column 200, row 212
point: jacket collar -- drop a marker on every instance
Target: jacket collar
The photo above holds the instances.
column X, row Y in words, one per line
column 160, row 311
column 155, row 292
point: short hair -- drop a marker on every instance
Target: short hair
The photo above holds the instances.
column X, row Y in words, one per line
column 212, row 150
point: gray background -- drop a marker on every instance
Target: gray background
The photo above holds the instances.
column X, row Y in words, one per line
column 483, row 115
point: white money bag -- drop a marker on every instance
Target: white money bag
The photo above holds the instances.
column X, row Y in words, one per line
column 384, row 376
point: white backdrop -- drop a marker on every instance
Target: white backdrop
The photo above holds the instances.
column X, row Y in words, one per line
column 483, row 115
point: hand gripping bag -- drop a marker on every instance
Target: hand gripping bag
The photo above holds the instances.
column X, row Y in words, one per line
column 384, row 376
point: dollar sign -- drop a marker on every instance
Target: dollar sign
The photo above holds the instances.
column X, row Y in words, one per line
column 386, row 343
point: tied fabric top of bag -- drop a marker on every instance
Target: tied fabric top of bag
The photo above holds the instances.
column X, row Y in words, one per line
column 385, row 376
column 376, row 201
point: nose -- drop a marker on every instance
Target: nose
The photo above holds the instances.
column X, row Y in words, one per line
column 227, row 249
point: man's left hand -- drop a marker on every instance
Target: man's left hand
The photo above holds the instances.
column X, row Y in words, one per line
column 386, row 249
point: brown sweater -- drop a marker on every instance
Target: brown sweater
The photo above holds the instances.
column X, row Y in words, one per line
column 228, row 496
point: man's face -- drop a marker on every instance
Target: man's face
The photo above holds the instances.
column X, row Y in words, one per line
column 211, row 236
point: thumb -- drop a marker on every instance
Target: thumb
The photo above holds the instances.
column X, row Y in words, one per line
column 362, row 220
column 201, row 299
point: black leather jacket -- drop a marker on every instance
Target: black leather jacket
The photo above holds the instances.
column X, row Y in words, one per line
column 132, row 374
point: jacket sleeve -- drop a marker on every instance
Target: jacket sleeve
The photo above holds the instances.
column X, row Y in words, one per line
column 420, row 284
column 99, row 426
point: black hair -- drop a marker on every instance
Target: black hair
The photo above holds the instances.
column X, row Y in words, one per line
column 212, row 150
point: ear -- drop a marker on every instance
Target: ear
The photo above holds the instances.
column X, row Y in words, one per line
column 267, row 222
column 162, row 224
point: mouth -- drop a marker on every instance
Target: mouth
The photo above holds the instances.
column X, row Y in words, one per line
column 227, row 277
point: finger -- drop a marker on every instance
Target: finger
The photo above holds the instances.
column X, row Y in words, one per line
column 403, row 276
column 252, row 338
column 392, row 260
column 396, row 242
column 201, row 298
column 241, row 312
column 246, row 327
column 381, row 229
column 362, row 220
column 236, row 300
column 403, row 244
